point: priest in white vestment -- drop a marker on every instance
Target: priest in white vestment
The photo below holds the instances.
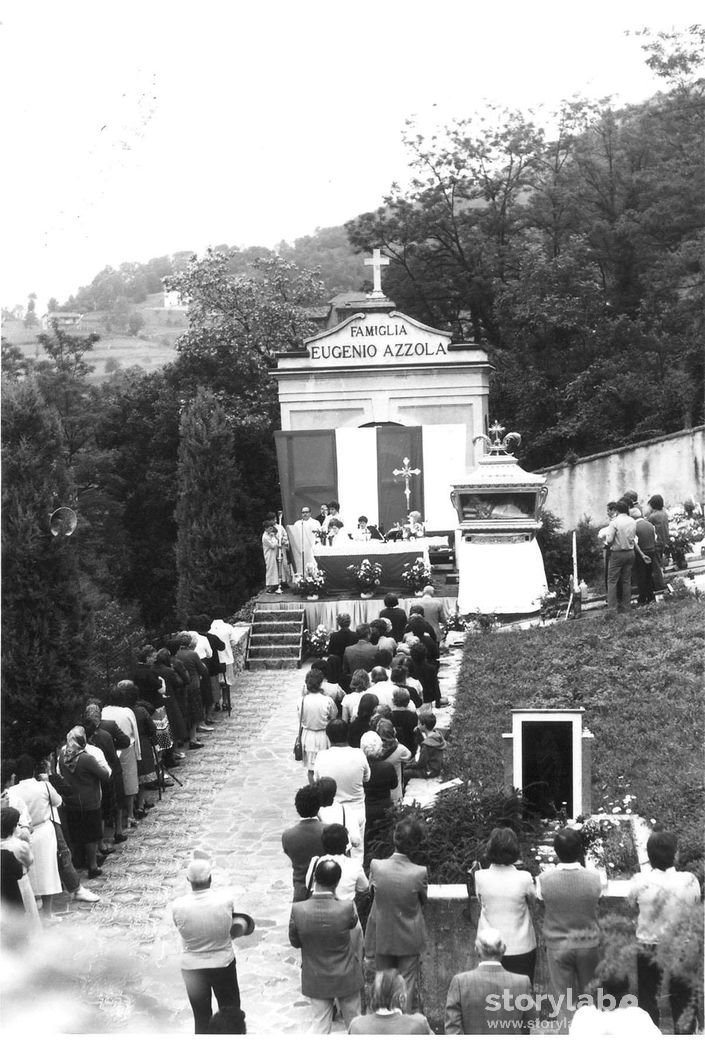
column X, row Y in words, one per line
column 303, row 535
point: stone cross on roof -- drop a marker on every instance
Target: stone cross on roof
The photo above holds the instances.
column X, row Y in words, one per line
column 378, row 262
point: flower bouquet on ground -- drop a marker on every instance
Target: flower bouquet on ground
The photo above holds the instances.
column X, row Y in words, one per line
column 317, row 641
column 367, row 575
column 686, row 527
column 416, row 575
column 312, row 581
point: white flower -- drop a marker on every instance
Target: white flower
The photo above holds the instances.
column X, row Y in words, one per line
column 615, row 811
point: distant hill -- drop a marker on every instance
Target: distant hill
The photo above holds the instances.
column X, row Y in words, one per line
column 125, row 305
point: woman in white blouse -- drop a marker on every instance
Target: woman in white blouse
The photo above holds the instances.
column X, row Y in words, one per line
column 507, row 896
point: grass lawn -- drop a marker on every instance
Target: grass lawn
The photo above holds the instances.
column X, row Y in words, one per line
column 640, row 681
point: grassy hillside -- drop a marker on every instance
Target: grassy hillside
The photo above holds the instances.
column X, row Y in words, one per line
column 640, row 681
column 151, row 349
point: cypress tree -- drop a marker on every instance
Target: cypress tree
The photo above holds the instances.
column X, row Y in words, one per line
column 44, row 622
column 211, row 511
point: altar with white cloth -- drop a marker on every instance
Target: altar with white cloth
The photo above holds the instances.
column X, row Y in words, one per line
column 334, row 561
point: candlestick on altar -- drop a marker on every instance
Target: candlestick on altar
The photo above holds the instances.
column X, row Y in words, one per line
column 280, row 554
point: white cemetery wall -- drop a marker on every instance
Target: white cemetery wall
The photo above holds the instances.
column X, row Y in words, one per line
column 672, row 466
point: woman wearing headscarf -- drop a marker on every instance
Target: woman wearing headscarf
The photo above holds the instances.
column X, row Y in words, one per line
column 108, row 741
column 82, row 772
column 378, row 800
column 393, row 752
column 118, row 712
column 42, row 802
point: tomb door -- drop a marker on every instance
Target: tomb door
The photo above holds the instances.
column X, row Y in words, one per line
column 547, row 766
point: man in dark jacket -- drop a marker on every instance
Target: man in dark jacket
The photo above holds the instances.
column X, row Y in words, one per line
column 302, row 841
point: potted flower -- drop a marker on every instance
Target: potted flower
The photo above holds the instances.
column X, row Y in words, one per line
column 317, row 641
column 416, row 575
column 310, row 583
column 367, row 575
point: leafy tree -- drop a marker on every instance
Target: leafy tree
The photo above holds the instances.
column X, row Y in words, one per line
column 30, row 318
column 211, row 511
column 139, row 432
column 44, row 620
column 135, row 324
column 63, row 381
column 13, row 363
column 52, row 305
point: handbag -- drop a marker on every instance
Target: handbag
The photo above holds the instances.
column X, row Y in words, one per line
column 63, row 852
column 298, row 747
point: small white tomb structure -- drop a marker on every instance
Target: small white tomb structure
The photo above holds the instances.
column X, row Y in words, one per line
column 548, row 756
column 500, row 566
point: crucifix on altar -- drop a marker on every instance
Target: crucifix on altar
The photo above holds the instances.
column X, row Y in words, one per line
column 378, row 262
column 406, row 473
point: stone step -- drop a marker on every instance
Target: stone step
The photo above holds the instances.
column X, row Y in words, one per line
column 275, row 638
column 271, row 663
column 276, row 651
column 278, row 627
column 269, row 616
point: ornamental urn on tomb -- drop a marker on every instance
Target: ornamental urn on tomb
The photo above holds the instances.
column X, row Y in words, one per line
column 500, row 566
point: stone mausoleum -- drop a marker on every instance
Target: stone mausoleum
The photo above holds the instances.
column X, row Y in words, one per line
column 380, row 412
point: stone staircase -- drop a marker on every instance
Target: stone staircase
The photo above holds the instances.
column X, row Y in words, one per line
column 276, row 636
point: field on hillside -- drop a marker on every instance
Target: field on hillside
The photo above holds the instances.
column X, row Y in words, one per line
column 151, row 349
column 640, row 681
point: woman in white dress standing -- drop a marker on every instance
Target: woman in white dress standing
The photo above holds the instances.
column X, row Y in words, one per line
column 42, row 801
column 317, row 710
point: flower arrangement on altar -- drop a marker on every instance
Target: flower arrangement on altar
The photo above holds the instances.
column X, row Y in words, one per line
column 686, row 526
column 417, row 574
column 311, row 582
column 317, row 641
column 367, row 574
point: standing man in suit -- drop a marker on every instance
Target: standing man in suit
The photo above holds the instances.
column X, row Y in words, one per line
column 361, row 655
column 323, row 928
column 433, row 610
column 304, row 840
column 396, row 930
column 478, row 1001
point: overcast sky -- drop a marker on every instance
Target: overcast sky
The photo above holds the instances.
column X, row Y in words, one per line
column 138, row 129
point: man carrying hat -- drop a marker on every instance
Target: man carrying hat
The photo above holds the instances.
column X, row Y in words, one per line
column 207, row 923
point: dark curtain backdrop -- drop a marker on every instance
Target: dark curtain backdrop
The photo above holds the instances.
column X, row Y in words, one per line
column 308, row 471
column 393, row 443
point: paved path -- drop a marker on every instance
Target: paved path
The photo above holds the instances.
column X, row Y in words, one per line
column 237, row 798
